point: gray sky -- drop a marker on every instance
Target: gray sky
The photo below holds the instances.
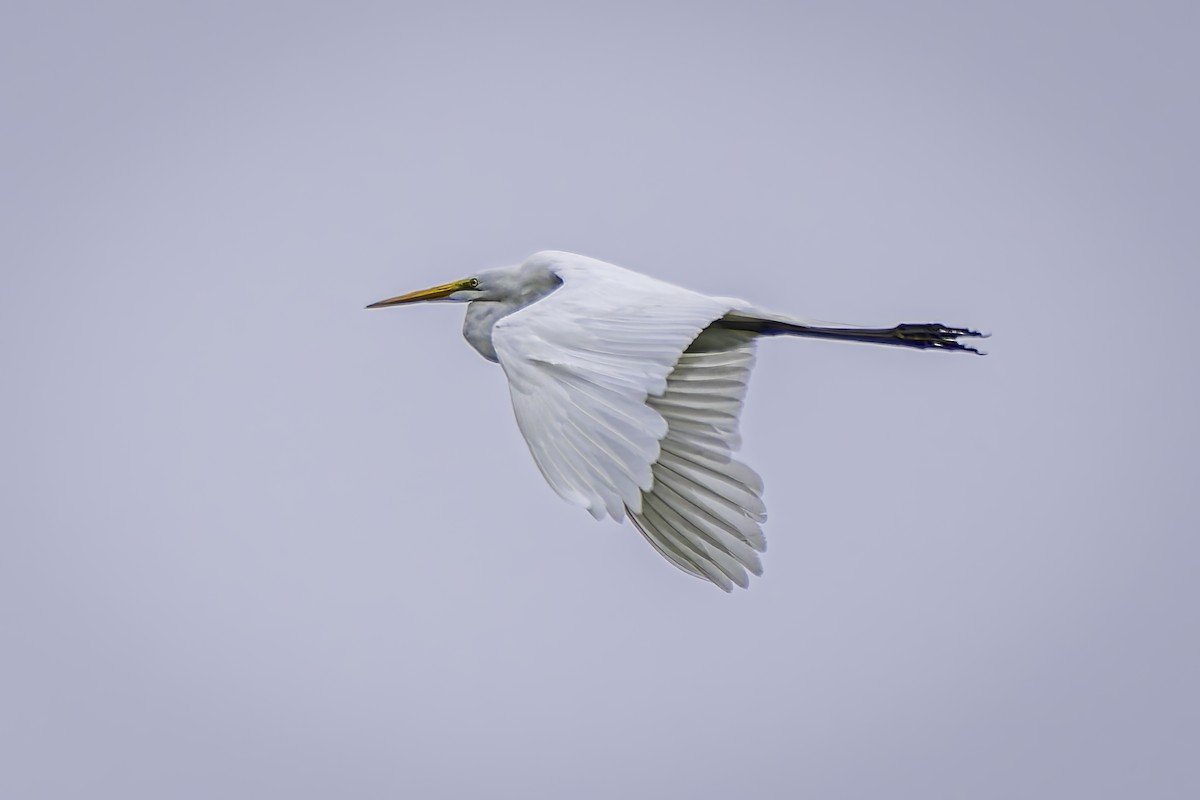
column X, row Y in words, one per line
column 259, row 542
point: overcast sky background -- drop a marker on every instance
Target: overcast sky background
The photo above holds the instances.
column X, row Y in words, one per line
column 258, row 542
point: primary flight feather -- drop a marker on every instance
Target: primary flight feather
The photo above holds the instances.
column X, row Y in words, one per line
column 628, row 389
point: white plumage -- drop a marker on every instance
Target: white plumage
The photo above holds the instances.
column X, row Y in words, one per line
column 628, row 391
column 628, row 407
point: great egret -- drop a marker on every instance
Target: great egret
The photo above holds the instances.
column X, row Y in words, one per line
column 628, row 390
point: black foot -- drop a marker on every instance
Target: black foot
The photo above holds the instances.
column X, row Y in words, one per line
column 934, row 334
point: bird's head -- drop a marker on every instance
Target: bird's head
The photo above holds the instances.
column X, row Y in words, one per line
column 460, row 291
column 514, row 286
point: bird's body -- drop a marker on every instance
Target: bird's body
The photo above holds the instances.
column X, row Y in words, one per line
column 628, row 390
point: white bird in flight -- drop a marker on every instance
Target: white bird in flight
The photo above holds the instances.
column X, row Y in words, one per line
column 628, row 389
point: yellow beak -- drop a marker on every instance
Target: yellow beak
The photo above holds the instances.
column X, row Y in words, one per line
column 436, row 293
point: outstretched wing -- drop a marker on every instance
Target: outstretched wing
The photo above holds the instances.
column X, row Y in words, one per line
column 580, row 364
column 625, row 405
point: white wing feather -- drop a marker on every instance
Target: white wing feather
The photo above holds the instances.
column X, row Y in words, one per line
column 580, row 364
column 705, row 510
column 626, row 407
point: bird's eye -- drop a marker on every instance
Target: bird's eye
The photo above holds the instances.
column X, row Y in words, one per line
column 473, row 283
